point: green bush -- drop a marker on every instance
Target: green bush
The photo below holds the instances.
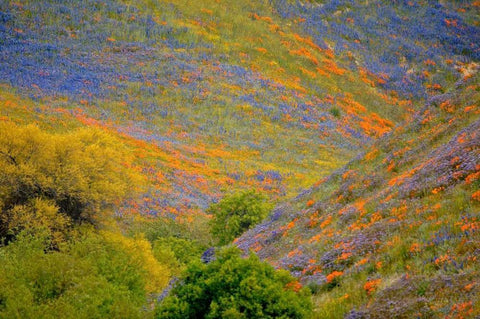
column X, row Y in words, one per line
column 236, row 213
column 87, row 278
column 235, row 287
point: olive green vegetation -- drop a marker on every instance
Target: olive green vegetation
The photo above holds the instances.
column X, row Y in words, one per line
column 86, row 278
column 235, row 287
column 236, row 213
column 176, row 252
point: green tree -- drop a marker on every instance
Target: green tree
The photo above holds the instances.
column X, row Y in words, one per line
column 236, row 213
column 235, row 287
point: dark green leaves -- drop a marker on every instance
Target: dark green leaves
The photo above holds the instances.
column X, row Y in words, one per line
column 235, row 287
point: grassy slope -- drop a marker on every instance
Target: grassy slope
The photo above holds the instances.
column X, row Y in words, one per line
column 397, row 229
column 210, row 105
column 389, row 233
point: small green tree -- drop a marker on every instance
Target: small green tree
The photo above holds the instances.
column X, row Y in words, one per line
column 235, row 287
column 236, row 213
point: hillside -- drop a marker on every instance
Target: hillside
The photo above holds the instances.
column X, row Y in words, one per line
column 396, row 229
column 359, row 120
column 222, row 105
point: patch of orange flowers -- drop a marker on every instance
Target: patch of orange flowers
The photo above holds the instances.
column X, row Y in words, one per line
column 476, row 196
column 295, row 286
column 371, row 285
column 333, row 275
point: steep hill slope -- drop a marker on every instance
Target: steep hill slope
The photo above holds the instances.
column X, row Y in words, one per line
column 396, row 231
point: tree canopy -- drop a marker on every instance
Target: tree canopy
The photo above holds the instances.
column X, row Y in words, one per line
column 235, row 287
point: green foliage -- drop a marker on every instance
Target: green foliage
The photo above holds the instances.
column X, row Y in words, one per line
column 185, row 251
column 85, row 278
column 52, row 189
column 236, row 213
column 48, row 180
column 38, row 216
column 156, row 228
column 174, row 244
column 165, row 255
column 176, row 253
column 235, row 287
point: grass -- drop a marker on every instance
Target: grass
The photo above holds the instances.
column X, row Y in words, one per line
column 415, row 225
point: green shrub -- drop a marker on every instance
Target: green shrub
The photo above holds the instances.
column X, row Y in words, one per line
column 236, row 213
column 87, row 278
column 235, row 287
column 183, row 250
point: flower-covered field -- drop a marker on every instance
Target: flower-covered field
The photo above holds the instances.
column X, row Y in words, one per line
column 396, row 230
column 218, row 107
column 360, row 119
